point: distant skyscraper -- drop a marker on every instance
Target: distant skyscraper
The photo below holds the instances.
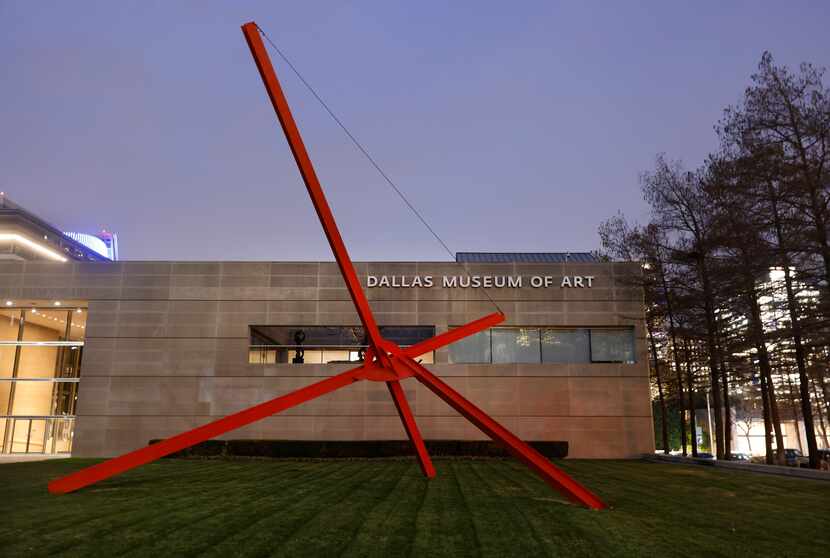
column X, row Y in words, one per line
column 104, row 242
column 25, row 236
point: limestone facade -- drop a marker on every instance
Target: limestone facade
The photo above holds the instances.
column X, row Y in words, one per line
column 166, row 350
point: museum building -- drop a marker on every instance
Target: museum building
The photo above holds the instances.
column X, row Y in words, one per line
column 101, row 357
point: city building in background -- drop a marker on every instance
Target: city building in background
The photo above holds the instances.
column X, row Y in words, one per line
column 104, row 242
column 25, row 236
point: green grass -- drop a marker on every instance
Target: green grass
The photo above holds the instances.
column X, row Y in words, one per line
column 385, row 508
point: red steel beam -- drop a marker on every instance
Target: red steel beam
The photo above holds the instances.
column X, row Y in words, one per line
column 141, row 456
column 389, row 357
column 111, row 467
column 399, row 397
column 549, row 472
column 455, row 334
column 295, row 142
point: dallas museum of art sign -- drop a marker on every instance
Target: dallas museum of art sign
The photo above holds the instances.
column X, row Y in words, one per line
column 476, row 281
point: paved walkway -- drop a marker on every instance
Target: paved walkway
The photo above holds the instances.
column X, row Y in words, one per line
column 799, row 472
column 24, row 457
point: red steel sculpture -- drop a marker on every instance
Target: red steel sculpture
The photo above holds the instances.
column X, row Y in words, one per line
column 384, row 360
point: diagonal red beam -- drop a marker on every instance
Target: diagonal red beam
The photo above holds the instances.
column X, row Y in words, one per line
column 550, row 473
column 318, row 198
column 453, row 335
column 399, row 397
column 117, row 465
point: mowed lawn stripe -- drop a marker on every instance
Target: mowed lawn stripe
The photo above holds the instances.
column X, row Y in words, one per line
column 443, row 527
column 330, row 530
column 558, row 524
column 389, row 528
column 385, row 508
column 136, row 504
column 231, row 506
column 94, row 508
column 500, row 528
column 274, row 525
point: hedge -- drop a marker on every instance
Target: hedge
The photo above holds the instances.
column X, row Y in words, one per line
column 357, row 449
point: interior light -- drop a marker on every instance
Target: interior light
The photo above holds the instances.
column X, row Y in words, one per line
column 78, row 311
column 9, row 303
column 57, row 303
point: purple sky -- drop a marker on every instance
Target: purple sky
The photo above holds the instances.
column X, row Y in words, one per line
column 512, row 126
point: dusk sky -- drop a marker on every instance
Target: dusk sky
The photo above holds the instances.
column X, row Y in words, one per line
column 512, row 126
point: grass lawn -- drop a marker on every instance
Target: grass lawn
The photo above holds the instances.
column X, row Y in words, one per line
column 385, row 508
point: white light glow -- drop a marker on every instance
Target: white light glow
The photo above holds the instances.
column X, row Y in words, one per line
column 39, row 248
column 9, row 303
column 57, row 303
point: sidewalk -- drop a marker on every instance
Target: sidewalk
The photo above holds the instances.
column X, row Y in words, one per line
column 799, row 472
column 25, row 457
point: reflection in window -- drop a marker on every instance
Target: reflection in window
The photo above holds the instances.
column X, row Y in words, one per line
column 326, row 344
column 551, row 345
column 612, row 345
column 474, row 349
column 566, row 345
column 515, row 344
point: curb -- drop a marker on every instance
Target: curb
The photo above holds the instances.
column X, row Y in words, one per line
column 778, row 470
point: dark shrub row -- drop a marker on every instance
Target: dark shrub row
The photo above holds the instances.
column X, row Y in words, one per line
column 338, row 449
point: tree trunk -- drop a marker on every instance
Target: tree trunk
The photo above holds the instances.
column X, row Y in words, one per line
column 820, row 414
column 690, row 392
column 768, row 457
column 795, row 323
column 825, row 389
column 803, row 381
column 756, row 328
column 676, row 359
column 796, row 418
column 664, row 434
column 709, row 308
column 727, row 406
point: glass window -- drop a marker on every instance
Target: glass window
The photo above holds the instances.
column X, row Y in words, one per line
column 9, row 324
column 335, row 336
column 45, row 325
column 78, row 328
column 310, row 356
column 473, row 349
column 65, row 397
column 566, row 345
column 5, row 393
column 7, row 360
column 32, row 398
column 59, row 435
column 612, row 345
column 324, row 344
column 38, row 361
column 515, row 344
column 37, row 436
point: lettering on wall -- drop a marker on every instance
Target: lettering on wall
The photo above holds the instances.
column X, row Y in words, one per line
column 476, row 281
